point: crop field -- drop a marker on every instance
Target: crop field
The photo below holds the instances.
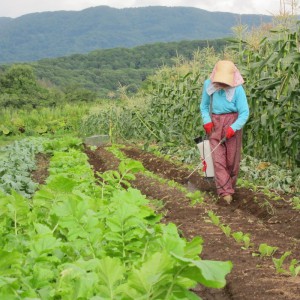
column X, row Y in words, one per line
column 124, row 220
column 117, row 222
column 269, row 221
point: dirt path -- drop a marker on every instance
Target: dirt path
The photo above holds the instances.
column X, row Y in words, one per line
column 41, row 173
column 276, row 215
column 251, row 277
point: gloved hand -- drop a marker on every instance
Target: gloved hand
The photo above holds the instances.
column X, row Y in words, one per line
column 229, row 133
column 208, row 127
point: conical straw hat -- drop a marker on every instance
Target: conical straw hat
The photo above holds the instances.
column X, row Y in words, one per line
column 224, row 72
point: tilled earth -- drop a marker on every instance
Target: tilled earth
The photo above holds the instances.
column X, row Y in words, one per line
column 267, row 221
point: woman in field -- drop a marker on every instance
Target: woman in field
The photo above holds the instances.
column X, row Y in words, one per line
column 224, row 110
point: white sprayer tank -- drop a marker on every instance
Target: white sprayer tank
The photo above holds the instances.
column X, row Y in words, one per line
column 205, row 153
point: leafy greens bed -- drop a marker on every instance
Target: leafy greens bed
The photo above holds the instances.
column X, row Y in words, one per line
column 17, row 162
column 76, row 239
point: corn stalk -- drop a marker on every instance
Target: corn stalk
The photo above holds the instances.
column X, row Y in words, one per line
column 273, row 76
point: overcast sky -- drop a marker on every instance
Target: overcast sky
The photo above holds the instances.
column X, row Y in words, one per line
column 16, row 8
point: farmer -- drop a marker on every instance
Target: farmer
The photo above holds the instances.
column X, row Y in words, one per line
column 225, row 96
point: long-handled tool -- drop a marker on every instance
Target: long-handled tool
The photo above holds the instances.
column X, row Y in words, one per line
column 203, row 160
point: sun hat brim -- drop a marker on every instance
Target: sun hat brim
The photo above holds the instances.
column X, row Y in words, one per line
column 224, row 72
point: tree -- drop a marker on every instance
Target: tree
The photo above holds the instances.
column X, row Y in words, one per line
column 19, row 88
column 19, row 79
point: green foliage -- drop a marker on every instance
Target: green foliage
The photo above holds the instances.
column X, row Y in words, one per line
column 19, row 88
column 42, row 121
column 19, row 79
column 265, row 250
column 280, row 131
column 77, row 94
column 16, row 168
column 296, row 202
column 62, row 144
column 278, row 262
column 272, row 73
column 256, row 171
column 294, row 267
column 169, row 114
column 77, row 78
column 5, row 130
column 241, row 237
column 106, row 73
column 71, row 243
column 226, row 229
column 112, row 180
column 214, row 218
column 196, row 197
column 166, row 110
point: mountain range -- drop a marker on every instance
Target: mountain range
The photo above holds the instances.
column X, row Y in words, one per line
column 54, row 34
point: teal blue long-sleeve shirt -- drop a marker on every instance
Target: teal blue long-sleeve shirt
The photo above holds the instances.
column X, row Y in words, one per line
column 221, row 105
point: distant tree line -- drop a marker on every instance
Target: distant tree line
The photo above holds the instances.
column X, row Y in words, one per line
column 86, row 77
column 103, row 71
column 20, row 88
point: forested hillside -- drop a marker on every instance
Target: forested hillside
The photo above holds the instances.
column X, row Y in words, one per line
column 53, row 34
column 84, row 77
column 106, row 70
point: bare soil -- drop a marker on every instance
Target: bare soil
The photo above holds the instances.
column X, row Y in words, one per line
column 41, row 173
column 267, row 221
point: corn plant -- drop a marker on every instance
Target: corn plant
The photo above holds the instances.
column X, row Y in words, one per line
column 168, row 111
column 272, row 74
